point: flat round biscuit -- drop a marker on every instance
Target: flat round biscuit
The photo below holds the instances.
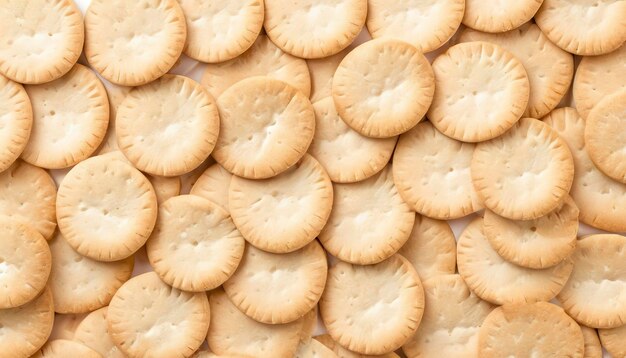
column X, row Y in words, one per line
column 586, row 27
column 383, row 88
column 593, row 349
column 481, row 90
column 28, row 195
column 605, row 136
column 213, row 185
column 106, row 209
column 595, row 294
column 24, row 329
column 154, row 117
column 41, row 39
column 498, row 281
column 346, row 155
column 372, row 309
column 597, row 77
column 16, row 121
column 258, row 119
column 194, row 246
column 452, row 318
column 93, row 332
column 60, row 348
column 309, row 325
column 209, row 354
column 499, row 16
column 131, row 43
column 188, row 180
column 24, row 263
column 146, row 317
column 601, row 200
column 538, row 243
column 80, row 284
column 525, row 173
column 164, row 187
column 369, row 221
column 314, row 349
column 65, row 325
column 262, row 59
column 322, row 70
column 614, row 340
column 538, row 329
column 431, row 248
column 426, row 25
column 116, row 95
column 342, row 352
column 232, row 333
column 283, row 213
column 314, row 28
column 70, row 118
column 549, row 68
column 432, row 173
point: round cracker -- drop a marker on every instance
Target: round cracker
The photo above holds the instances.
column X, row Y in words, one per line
column 93, row 332
column 499, row 16
column 258, row 119
column 213, row 185
column 342, row 352
column 314, row 349
column 538, row 329
column 24, row 329
column 262, row 59
column 296, row 280
column 452, row 318
column 392, row 286
column 131, row 43
column 369, row 221
column 154, row 117
column 24, row 263
column 28, row 195
column 188, row 180
column 593, row 349
column 16, row 121
column 148, row 317
column 605, row 136
column 426, row 25
column 41, row 39
column 106, row 209
column 498, row 281
column 116, row 96
column 383, row 88
column 60, row 348
column 309, row 325
column 601, row 200
column 513, row 185
column 346, row 155
column 595, row 294
column 80, row 284
column 65, row 325
column 432, row 173
column 614, row 340
column 588, row 27
column 70, row 119
column 194, row 246
column 549, row 68
column 322, row 70
column 481, row 90
column 164, row 187
column 314, row 28
column 283, row 213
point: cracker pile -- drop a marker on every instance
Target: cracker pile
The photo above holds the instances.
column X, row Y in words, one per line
column 281, row 178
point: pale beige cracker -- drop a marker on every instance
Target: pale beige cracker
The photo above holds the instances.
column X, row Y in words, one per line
column 70, row 119
column 614, row 340
column 314, row 28
column 584, row 27
column 106, row 209
column 498, row 281
column 93, row 332
column 16, row 121
column 372, row 309
column 262, row 59
column 146, row 317
column 309, row 325
column 80, row 284
column 65, row 325
column 383, row 88
column 195, row 245
column 321, row 71
column 426, row 25
column 41, row 39
column 28, row 196
column 60, row 348
column 601, row 200
column 164, row 187
column 346, row 155
column 213, row 185
column 209, row 354
column 116, row 95
column 188, row 180
column 452, row 318
column 538, row 329
column 593, row 349
column 258, row 119
column 549, row 68
column 595, row 294
column 153, row 118
column 131, row 43
column 499, row 16
column 314, row 349
column 369, row 221
column 284, row 213
column 481, row 90
column 432, row 173
column 24, row 329
column 342, row 352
